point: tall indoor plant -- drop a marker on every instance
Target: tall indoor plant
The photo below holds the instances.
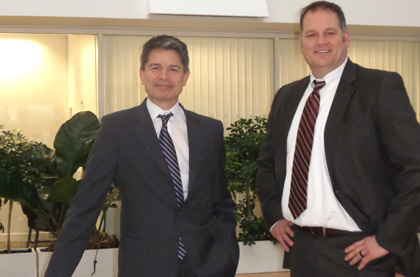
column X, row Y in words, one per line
column 23, row 165
column 243, row 144
column 42, row 180
column 73, row 143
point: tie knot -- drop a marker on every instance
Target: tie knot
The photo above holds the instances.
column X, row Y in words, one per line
column 318, row 84
column 165, row 117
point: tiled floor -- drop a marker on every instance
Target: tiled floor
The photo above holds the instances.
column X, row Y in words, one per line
column 275, row 274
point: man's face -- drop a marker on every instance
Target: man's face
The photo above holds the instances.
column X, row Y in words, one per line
column 323, row 43
column 163, row 77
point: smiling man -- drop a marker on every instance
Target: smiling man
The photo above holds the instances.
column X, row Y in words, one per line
column 177, row 215
column 339, row 170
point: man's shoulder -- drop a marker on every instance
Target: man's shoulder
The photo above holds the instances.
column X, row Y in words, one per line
column 293, row 87
column 301, row 82
column 373, row 73
column 200, row 116
column 121, row 114
column 203, row 119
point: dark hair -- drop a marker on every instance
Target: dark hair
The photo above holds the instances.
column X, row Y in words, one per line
column 168, row 43
column 326, row 6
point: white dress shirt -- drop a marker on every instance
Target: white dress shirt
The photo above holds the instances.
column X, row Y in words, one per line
column 177, row 128
column 323, row 207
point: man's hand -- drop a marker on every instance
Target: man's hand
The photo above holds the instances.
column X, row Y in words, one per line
column 364, row 250
column 282, row 231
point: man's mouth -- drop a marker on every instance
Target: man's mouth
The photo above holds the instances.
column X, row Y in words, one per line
column 323, row 51
column 163, row 85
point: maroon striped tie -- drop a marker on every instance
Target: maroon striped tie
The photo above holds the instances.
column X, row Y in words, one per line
column 304, row 140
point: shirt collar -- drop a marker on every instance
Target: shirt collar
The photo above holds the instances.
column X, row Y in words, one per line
column 155, row 110
column 333, row 75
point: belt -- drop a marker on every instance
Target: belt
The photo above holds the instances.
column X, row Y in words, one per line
column 325, row 232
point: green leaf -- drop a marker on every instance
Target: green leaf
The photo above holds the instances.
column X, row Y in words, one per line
column 63, row 190
column 74, row 141
column 6, row 185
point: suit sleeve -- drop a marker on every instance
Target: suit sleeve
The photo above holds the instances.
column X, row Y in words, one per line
column 86, row 205
column 270, row 192
column 400, row 135
column 223, row 208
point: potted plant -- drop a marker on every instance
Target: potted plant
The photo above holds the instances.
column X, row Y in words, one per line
column 23, row 166
column 243, row 144
column 72, row 144
column 44, row 182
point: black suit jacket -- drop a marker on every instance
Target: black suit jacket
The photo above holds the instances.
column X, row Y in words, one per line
column 127, row 152
column 372, row 146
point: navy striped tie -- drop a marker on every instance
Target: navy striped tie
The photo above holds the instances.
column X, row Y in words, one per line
column 304, row 140
column 171, row 159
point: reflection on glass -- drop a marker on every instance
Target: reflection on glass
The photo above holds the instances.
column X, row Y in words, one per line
column 18, row 57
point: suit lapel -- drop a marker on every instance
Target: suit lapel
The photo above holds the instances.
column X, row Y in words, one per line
column 290, row 105
column 195, row 143
column 285, row 117
column 146, row 133
column 339, row 106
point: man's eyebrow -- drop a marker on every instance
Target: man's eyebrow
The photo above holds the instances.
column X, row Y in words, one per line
column 158, row 64
column 309, row 31
column 315, row 31
column 153, row 64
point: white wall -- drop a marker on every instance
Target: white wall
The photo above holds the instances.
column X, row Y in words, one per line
column 34, row 98
column 82, row 73
column 358, row 12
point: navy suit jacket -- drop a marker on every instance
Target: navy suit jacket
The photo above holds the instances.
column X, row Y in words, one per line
column 372, row 147
column 127, row 151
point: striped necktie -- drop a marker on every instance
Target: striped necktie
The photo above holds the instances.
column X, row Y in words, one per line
column 304, row 140
column 171, row 159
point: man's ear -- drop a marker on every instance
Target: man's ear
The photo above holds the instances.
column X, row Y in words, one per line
column 186, row 75
column 347, row 39
column 141, row 72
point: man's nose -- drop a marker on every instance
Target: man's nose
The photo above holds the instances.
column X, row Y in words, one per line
column 164, row 74
column 322, row 39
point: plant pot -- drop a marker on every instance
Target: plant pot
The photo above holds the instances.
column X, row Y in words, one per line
column 107, row 265
column 264, row 256
column 20, row 262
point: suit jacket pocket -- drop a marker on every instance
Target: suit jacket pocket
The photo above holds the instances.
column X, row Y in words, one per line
column 133, row 244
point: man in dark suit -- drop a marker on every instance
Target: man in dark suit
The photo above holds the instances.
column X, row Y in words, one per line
column 176, row 211
column 339, row 170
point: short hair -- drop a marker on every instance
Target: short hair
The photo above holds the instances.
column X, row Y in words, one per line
column 326, row 6
column 167, row 43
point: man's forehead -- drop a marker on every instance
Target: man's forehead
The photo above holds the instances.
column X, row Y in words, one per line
column 321, row 18
column 157, row 54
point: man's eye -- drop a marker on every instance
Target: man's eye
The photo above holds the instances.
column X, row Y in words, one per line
column 310, row 35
